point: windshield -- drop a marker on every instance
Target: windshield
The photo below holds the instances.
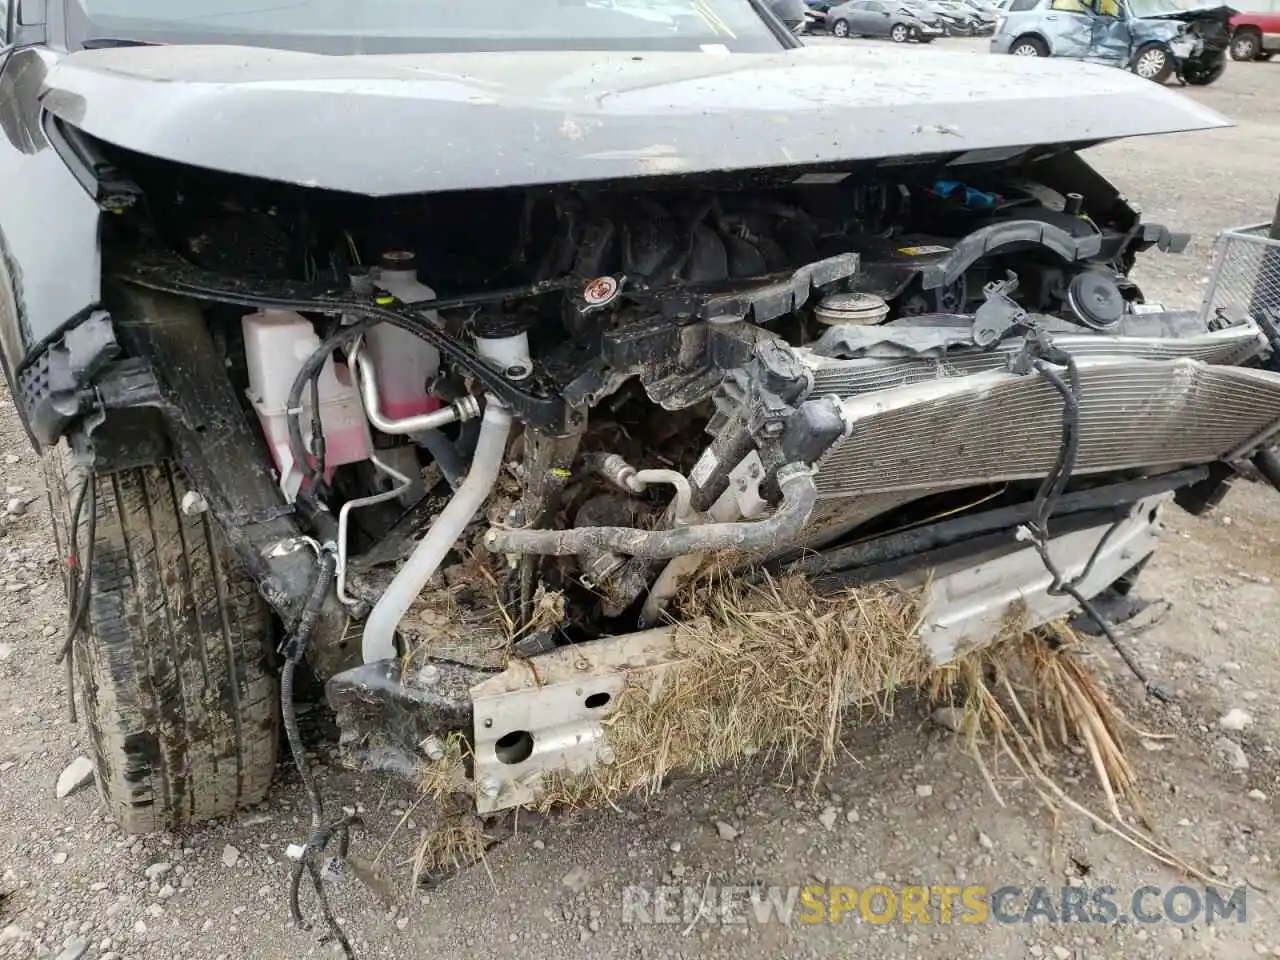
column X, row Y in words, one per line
column 408, row 26
column 1152, row 8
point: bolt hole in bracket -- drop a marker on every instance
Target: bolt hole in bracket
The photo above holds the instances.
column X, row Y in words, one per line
column 564, row 705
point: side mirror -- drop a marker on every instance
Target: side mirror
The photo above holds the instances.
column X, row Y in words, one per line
column 32, row 12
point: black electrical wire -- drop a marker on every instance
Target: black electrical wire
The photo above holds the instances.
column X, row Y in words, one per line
column 317, row 431
column 294, row 649
column 70, row 583
column 79, row 570
column 1047, row 497
column 309, row 374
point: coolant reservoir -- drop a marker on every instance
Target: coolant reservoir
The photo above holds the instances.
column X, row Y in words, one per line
column 276, row 344
column 405, row 364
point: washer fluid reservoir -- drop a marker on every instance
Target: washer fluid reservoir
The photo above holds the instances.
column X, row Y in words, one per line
column 276, row 344
column 405, row 364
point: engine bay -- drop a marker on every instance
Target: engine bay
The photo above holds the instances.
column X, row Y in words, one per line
column 570, row 400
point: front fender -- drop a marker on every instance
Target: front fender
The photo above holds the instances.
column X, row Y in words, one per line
column 50, row 260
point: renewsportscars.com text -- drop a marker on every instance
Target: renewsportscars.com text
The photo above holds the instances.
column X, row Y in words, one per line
column 971, row 904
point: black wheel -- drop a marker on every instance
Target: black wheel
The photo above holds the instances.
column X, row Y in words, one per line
column 1200, row 74
column 173, row 666
column 1153, row 63
column 1246, row 45
column 840, row 28
column 1029, row 47
column 899, row 33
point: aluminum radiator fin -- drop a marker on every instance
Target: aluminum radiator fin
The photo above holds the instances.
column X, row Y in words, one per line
column 994, row 427
column 847, row 377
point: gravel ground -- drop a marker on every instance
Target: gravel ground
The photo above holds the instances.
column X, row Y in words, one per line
column 911, row 809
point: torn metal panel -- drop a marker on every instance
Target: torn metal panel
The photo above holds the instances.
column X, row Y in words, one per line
column 387, row 713
column 549, row 715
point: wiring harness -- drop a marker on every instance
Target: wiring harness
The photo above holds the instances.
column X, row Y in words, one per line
column 307, row 857
column 1045, row 358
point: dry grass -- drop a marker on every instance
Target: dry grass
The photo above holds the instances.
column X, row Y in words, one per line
column 765, row 670
column 456, row 841
column 448, row 775
column 772, row 670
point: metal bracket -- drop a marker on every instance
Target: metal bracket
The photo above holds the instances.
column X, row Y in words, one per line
column 999, row 315
column 546, row 715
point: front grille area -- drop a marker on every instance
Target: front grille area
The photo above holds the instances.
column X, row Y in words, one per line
column 997, row 426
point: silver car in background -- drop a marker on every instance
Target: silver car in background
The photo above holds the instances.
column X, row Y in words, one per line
column 878, row 18
column 1156, row 39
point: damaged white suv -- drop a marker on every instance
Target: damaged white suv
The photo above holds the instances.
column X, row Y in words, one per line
column 452, row 371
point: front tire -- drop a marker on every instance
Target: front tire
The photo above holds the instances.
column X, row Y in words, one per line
column 1198, row 74
column 173, row 663
column 1029, row 47
column 1153, row 63
column 840, row 28
column 1246, row 45
column 899, row 33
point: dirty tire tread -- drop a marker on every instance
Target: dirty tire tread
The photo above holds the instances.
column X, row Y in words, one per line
column 173, row 673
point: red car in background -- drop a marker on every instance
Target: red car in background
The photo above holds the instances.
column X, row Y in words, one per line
column 1255, row 29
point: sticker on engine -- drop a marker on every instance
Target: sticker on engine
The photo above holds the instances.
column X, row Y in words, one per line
column 924, row 250
column 705, row 466
column 1139, row 309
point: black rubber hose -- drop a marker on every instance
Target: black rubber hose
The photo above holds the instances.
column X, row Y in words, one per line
column 1267, row 462
column 799, row 494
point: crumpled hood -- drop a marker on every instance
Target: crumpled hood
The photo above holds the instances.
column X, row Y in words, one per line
column 1217, row 11
column 385, row 125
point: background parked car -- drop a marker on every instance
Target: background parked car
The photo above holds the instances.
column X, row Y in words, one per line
column 1156, row 39
column 963, row 18
column 816, row 13
column 957, row 19
column 986, row 13
column 879, row 18
column 1255, row 29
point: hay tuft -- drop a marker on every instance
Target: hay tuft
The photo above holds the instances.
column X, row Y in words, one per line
column 454, row 842
column 448, row 775
column 768, row 669
column 771, row 669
